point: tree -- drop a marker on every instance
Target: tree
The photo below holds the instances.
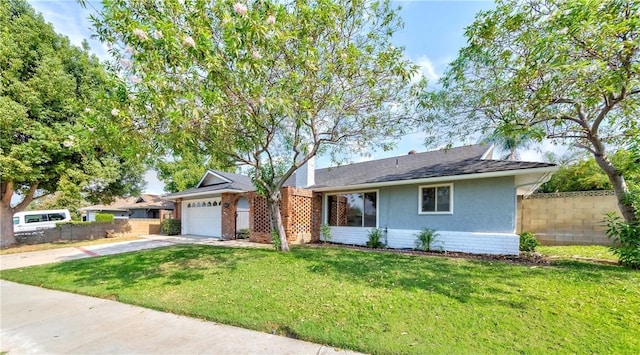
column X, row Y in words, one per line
column 565, row 70
column 268, row 83
column 511, row 141
column 185, row 171
column 54, row 119
column 586, row 175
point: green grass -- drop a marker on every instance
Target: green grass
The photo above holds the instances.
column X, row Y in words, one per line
column 373, row 302
column 578, row 251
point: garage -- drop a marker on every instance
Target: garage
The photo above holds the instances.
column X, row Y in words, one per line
column 202, row 217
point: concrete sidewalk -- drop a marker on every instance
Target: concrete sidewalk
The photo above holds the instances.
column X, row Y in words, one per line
column 36, row 320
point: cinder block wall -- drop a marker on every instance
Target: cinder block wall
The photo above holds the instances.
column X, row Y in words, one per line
column 567, row 218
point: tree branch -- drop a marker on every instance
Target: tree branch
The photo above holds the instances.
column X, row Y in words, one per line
column 27, row 199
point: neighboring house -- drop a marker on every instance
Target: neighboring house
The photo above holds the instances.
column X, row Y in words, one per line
column 143, row 206
column 468, row 198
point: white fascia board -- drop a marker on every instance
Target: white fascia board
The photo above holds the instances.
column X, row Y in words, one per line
column 439, row 179
column 214, row 174
column 204, row 193
column 488, row 152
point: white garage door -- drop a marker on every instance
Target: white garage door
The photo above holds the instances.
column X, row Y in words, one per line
column 202, row 217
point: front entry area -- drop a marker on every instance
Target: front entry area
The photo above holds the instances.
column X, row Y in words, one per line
column 202, row 217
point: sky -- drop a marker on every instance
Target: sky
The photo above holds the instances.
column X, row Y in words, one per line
column 432, row 35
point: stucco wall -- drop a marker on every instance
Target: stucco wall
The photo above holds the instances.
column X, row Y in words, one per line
column 482, row 205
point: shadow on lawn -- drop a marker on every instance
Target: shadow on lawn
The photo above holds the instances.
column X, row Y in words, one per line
column 174, row 264
column 465, row 280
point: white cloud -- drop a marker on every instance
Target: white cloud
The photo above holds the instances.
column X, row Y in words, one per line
column 71, row 20
column 427, row 70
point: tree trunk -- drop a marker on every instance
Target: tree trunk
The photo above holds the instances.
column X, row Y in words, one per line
column 619, row 186
column 6, row 225
column 273, row 201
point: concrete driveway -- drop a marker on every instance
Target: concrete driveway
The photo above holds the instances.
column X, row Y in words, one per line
column 35, row 320
column 12, row 261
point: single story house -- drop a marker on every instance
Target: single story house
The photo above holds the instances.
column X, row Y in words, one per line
column 143, row 206
column 462, row 193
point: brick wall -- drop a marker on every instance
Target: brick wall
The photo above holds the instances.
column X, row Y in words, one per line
column 569, row 218
column 301, row 216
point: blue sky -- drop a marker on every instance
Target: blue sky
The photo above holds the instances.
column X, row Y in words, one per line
column 432, row 35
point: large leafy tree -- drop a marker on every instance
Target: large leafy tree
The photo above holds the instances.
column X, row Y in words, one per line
column 185, row 171
column 55, row 114
column 586, row 175
column 565, row 70
column 268, row 83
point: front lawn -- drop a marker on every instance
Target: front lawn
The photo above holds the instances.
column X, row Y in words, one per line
column 599, row 252
column 373, row 302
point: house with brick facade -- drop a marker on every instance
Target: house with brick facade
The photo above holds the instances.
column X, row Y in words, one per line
column 462, row 193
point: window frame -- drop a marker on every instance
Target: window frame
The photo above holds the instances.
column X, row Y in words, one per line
column 422, row 187
column 326, row 207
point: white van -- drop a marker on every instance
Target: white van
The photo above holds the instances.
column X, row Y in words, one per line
column 29, row 221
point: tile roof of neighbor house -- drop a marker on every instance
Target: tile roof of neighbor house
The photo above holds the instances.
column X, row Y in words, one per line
column 440, row 163
column 238, row 183
column 147, row 201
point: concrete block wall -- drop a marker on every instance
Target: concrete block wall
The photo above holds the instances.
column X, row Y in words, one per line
column 568, row 218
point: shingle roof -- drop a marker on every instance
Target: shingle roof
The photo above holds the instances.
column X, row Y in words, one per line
column 238, row 182
column 126, row 203
column 446, row 162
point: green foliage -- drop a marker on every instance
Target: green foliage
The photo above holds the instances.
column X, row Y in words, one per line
column 626, row 238
column 425, row 238
column 325, row 231
column 104, row 217
column 528, row 242
column 563, row 70
column 170, row 226
column 375, row 238
column 586, row 175
column 58, row 132
column 275, row 240
column 266, row 83
column 185, row 171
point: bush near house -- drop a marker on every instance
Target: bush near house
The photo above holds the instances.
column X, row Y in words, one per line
column 104, row 217
column 170, row 226
column 528, row 242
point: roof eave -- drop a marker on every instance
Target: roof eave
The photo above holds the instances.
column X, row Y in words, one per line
column 176, row 196
column 437, row 179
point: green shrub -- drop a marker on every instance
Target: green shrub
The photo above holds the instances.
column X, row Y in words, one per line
column 325, row 231
column 243, row 233
column 170, row 226
column 425, row 238
column 104, row 217
column 375, row 238
column 528, row 242
column 626, row 238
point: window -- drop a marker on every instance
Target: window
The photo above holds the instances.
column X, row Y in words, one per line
column 56, row 216
column 16, row 220
column 357, row 209
column 436, row 199
column 34, row 218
